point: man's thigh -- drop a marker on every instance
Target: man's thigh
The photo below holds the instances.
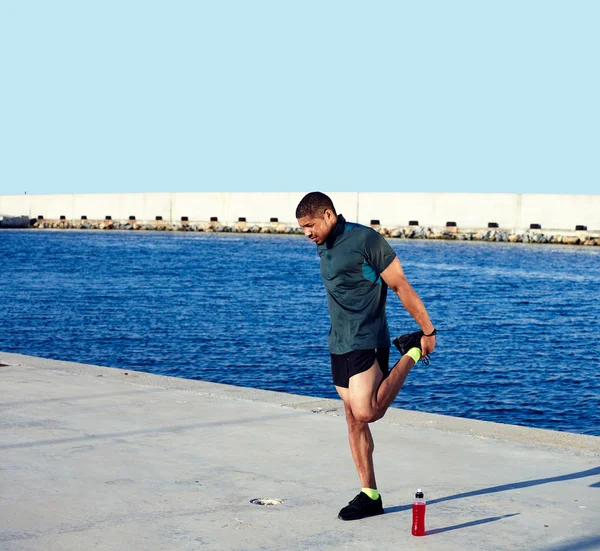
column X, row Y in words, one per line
column 344, row 394
column 362, row 390
column 365, row 376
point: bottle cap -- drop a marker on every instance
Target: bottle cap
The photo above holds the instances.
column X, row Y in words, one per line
column 419, row 494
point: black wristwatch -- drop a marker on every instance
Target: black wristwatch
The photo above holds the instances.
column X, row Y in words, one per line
column 432, row 334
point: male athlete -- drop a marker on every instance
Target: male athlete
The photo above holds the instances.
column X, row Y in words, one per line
column 357, row 267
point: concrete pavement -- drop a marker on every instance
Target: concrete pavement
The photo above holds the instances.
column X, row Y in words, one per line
column 106, row 459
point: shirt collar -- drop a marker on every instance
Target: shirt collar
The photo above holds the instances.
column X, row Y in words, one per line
column 339, row 229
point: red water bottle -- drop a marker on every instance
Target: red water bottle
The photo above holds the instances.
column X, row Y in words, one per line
column 418, row 514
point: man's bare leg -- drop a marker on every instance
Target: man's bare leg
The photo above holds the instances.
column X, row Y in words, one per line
column 364, row 389
column 388, row 390
column 361, row 444
column 366, row 399
column 370, row 396
column 367, row 502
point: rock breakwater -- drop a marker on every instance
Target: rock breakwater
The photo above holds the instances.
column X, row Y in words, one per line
column 449, row 233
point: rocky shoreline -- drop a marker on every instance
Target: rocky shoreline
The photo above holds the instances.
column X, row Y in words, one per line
column 449, row 233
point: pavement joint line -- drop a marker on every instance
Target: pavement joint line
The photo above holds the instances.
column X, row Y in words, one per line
column 321, row 406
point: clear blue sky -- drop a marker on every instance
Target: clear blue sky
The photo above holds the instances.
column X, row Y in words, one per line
column 255, row 95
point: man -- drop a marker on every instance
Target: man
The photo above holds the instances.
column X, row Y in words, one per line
column 357, row 267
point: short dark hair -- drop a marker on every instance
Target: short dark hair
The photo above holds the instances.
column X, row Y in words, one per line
column 314, row 203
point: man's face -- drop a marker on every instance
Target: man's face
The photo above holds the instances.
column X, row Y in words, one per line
column 317, row 228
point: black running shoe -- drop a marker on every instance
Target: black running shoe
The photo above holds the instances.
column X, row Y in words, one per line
column 361, row 506
column 412, row 340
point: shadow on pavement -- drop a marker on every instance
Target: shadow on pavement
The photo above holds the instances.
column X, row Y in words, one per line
column 504, row 487
column 468, row 524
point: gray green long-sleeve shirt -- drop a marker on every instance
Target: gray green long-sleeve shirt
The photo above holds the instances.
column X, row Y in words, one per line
column 352, row 260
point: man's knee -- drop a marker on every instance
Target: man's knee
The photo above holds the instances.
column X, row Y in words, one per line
column 365, row 415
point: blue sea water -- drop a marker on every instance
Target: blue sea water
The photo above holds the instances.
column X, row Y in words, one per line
column 518, row 329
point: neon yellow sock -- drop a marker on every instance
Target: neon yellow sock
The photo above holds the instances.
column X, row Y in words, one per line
column 373, row 494
column 414, row 353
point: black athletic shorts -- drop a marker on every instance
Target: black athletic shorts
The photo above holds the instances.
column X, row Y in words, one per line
column 344, row 366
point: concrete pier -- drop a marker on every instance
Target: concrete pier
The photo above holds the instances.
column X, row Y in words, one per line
column 106, row 459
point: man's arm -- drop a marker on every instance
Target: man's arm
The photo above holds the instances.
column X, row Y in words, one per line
column 394, row 276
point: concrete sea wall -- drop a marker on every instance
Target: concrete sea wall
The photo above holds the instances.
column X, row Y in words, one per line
column 512, row 213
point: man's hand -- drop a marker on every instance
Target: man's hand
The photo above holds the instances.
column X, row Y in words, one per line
column 427, row 345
